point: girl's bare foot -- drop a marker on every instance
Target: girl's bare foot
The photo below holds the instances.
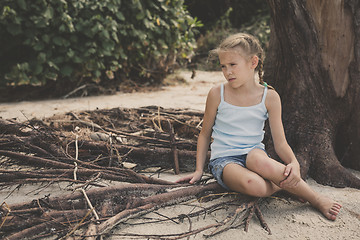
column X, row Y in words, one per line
column 327, row 207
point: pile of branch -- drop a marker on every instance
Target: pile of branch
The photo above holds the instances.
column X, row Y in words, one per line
column 84, row 148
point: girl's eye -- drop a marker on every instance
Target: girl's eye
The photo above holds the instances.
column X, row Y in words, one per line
column 222, row 66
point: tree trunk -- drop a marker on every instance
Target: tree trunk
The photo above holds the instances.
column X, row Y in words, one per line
column 313, row 63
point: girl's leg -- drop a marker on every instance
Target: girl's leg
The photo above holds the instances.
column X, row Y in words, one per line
column 268, row 168
column 240, row 179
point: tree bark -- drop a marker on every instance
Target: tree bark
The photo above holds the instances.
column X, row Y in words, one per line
column 313, row 63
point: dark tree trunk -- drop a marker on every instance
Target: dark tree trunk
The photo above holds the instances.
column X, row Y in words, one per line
column 313, row 63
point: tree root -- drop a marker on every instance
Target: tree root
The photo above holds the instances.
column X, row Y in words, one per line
column 52, row 151
column 241, row 216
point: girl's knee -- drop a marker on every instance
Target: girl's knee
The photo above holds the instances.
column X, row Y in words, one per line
column 258, row 189
column 259, row 162
column 252, row 186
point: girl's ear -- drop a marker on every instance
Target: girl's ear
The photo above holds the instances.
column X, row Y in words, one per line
column 254, row 61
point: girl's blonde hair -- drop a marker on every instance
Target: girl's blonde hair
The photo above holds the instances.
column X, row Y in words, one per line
column 250, row 46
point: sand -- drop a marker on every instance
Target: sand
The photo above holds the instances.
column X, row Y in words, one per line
column 287, row 219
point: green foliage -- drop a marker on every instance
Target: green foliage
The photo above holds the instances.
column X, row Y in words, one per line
column 211, row 39
column 90, row 39
column 257, row 25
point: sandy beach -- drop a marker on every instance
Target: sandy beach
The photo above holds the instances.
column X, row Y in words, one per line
column 287, row 219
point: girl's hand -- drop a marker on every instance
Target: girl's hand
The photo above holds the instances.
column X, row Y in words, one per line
column 292, row 176
column 192, row 178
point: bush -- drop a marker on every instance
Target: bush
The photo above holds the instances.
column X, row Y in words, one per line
column 78, row 40
column 240, row 16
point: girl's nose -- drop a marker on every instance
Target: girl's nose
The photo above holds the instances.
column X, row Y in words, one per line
column 228, row 71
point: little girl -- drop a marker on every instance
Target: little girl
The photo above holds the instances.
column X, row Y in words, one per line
column 234, row 117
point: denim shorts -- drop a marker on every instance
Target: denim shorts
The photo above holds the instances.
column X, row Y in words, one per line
column 216, row 166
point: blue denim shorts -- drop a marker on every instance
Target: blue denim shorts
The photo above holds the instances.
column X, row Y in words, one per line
column 216, row 166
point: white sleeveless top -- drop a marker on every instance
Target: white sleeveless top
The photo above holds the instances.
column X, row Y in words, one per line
column 237, row 130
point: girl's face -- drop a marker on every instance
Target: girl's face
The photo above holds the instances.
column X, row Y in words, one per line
column 237, row 69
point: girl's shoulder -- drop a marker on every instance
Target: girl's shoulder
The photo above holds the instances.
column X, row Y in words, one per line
column 272, row 93
column 214, row 95
column 215, row 91
column 272, row 98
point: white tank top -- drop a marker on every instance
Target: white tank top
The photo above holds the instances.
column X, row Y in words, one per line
column 238, row 130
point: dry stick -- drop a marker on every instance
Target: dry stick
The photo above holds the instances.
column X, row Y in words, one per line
column 7, row 176
column 112, row 222
column 173, row 114
column 101, row 193
column 152, row 202
column 21, row 220
column 78, row 225
column 92, row 209
column 91, row 182
column 35, row 230
column 228, row 222
column 35, row 160
column 106, row 129
column 159, row 119
column 111, row 150
column 90, row 205
column 188, row 234
column 14, row 176
column 173, row 148
column 75, row 170
column 199, row 125
column 141, row 153
column 190, row 226
column 8, row 211
column 74, row 91
column 262, row 220
column 76, row 148
column 81, row 189
column 174, row 236
column 50, row 180
column 91, row 124
column 127, row 173
column 91, row 231
column 13, row 140
column 251, row 214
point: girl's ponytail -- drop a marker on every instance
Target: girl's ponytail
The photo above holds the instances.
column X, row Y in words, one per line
column 260, row 73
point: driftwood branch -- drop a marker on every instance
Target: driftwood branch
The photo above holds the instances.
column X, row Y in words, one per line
column 87, row 148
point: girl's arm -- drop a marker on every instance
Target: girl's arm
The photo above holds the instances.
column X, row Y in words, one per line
column 203, row 142
column 282, row 148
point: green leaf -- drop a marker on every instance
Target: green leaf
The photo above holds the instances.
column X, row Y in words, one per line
column 53, row 65
column 97, row 73
column 115, row 37
column 49, row 13
column 22, row 4
column 66, row 70
column 106, row 34
column 45, row 38
column 70, row 53
column 39, row 46
column 37, row 69
column 58, row 41
column 140, row 15
column 42, row 57
column 120, row 16
column 51, row 75
column 14, row 29
column 77, row 59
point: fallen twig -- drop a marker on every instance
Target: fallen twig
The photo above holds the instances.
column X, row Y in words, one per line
column 39, row 146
